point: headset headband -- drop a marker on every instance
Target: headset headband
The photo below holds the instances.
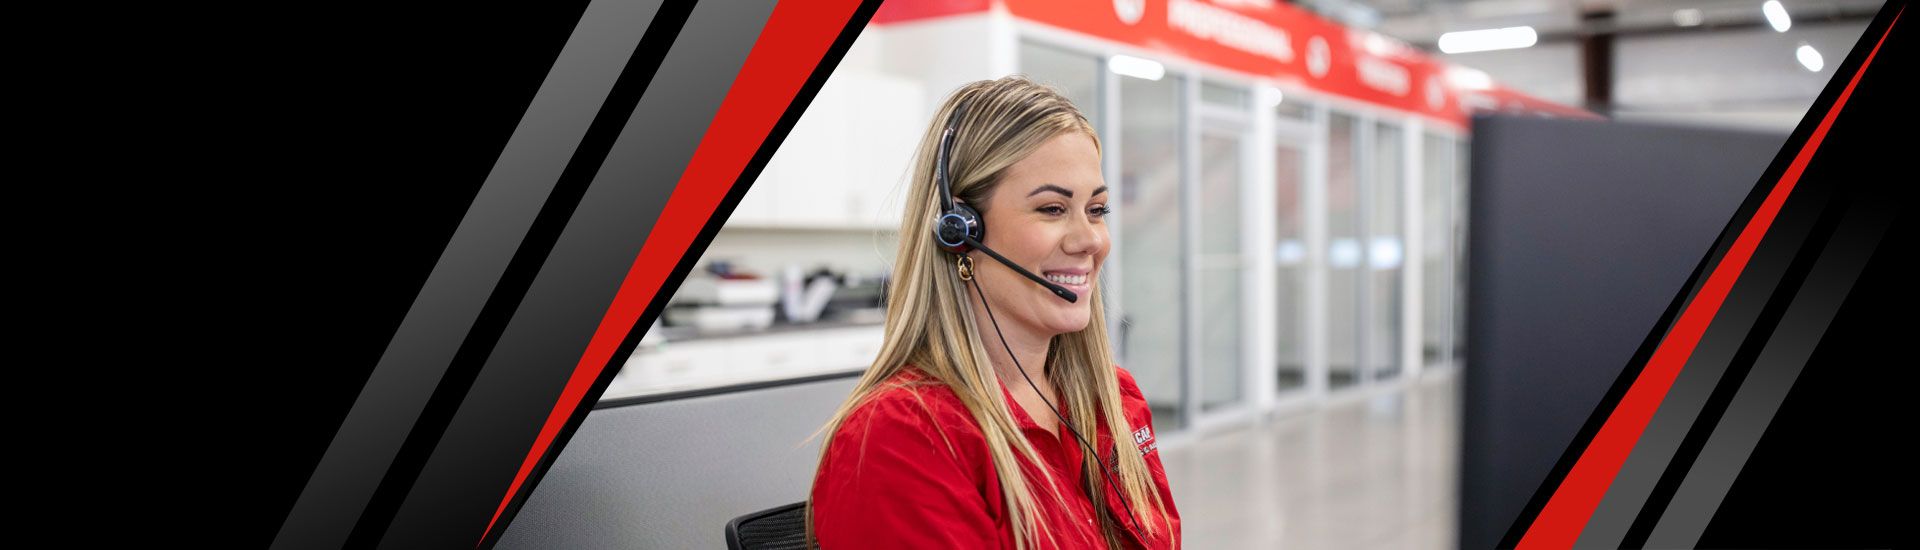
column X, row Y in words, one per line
column 945, row 155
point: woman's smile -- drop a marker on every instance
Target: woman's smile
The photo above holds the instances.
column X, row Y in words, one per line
column 1075, row 279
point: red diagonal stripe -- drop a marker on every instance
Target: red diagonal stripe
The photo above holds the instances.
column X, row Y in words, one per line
column 1572, row 504
column 795, row 38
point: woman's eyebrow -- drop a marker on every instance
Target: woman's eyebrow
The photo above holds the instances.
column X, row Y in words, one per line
column 1062, row 190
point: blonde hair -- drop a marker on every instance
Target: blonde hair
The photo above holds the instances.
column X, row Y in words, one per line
column 931, row 325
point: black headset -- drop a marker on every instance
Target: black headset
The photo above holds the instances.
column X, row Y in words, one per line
column 960, row 230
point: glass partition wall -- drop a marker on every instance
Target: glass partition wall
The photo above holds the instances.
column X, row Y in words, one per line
column 1225, row 113
column 1261, row 244
column 1344, row 255
column 1294, row 138
column 1384, row 249
column 1153, row 340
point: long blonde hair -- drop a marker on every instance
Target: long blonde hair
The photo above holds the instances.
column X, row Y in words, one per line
column 930, row 324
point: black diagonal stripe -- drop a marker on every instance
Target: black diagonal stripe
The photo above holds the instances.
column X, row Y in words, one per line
column 636, row 74
column 371, row 443
column 544, row 331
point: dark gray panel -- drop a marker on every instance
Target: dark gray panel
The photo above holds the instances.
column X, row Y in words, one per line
column 1580, row 235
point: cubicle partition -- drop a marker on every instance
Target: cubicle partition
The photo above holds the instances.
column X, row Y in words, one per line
column 1580, row 234
column 669, row 471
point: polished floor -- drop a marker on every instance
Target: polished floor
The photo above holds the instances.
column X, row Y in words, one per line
column 1372, row 469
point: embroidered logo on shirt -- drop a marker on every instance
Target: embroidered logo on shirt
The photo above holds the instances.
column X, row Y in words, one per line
column 1143, row 438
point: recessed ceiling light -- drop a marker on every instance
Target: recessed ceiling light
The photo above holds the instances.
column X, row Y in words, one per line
column 1689, row 17
column 1274, row 97
column 1488, row 39
column 1127, row 65
column 1809, row 58
column 1776, row 15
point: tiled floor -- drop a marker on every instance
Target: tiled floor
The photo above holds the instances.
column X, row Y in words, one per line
column 1357, row 471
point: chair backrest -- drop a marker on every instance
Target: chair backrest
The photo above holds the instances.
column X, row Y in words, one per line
column 781, row 528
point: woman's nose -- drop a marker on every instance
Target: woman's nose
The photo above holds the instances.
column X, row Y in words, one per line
column 1086, row 236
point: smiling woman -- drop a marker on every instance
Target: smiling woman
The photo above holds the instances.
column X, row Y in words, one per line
column 943, row 442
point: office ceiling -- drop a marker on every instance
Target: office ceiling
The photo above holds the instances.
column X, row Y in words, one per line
column 1421, row 22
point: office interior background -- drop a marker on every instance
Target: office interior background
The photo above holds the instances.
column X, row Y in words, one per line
column 1287, row 284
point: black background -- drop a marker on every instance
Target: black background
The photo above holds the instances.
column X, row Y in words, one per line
column 241, row 204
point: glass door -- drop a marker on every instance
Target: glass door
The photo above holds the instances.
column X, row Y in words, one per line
column 1437, row 250
column 1151, row 224
column 1292, row 136
column 1385, row 252
column 1344, row 253
column 1224, row 162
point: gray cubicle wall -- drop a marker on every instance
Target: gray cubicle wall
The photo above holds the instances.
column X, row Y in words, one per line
column 670, row 474
column 1580, row 234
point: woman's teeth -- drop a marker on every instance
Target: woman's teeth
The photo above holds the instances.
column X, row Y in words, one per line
column 1068, row 279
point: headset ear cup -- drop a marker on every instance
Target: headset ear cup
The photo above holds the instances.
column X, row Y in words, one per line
column 957, row 224
column 976, row 227
column 949, row 231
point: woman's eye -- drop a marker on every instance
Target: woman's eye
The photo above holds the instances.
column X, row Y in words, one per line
column 1053, row 209
column 1101, row 211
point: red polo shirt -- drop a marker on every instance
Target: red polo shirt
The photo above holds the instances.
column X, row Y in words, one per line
column 889, row 480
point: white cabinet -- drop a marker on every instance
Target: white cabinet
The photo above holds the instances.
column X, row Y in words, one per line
column 844, row 161
column 709, row 362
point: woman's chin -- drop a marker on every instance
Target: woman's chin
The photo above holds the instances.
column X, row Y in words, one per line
column 1070, row 321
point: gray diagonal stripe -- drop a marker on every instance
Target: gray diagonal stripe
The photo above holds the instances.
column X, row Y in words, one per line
column 488, row 438
column 1774, row 372
column 477, row 255
column 1627, row 495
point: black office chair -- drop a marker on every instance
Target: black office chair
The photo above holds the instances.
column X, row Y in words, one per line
column 782, row 528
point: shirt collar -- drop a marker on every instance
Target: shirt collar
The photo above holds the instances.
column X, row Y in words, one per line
column 1020, row 415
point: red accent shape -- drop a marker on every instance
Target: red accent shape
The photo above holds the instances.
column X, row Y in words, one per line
column 1567, row 512
column 896, row 11
column 796, row 37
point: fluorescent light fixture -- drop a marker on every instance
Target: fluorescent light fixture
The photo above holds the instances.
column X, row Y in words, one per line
column 1689, row 17
column 1127, row 65
column 1809, row 58
column 1776, row 15
column 1468, row 79
column 1274, row 97
column 1489, row 39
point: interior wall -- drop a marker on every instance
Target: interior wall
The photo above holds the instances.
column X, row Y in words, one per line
column 672, row 474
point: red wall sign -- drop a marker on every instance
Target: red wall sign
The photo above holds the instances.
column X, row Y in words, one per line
column 1270, row 39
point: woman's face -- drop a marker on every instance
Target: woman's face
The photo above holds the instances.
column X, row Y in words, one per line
column 1048, row 214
